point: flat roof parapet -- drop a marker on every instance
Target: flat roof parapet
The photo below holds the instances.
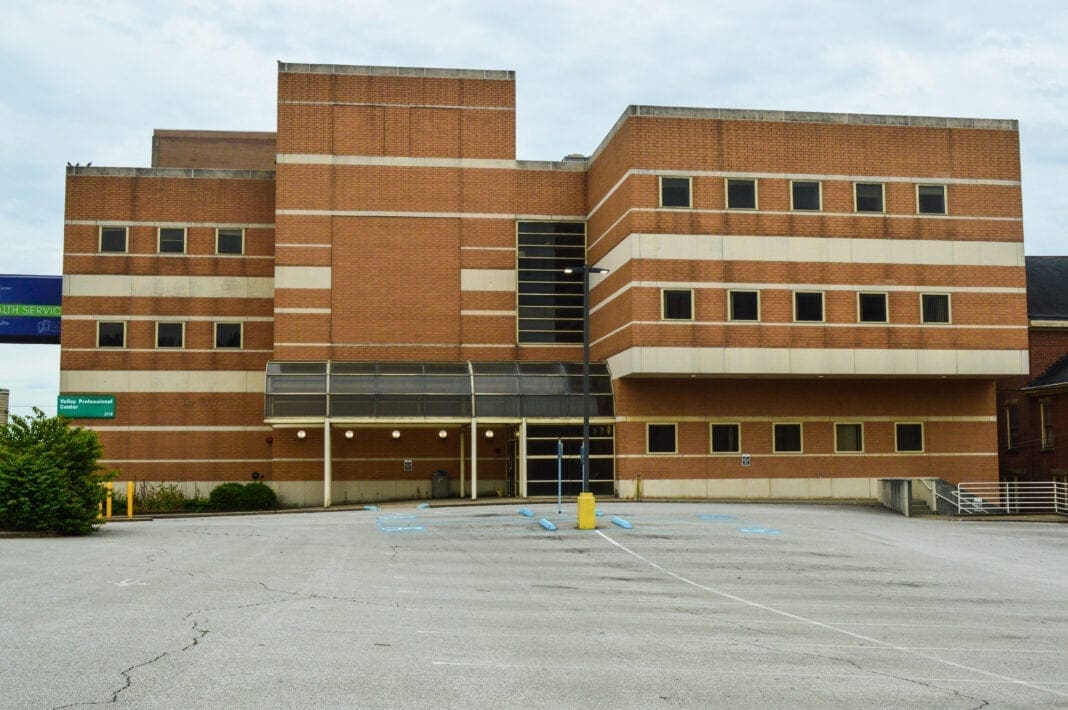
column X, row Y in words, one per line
column 862, row 119
column 418, row 72
column 83, row 170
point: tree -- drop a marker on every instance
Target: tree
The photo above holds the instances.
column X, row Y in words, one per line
column 49, row 477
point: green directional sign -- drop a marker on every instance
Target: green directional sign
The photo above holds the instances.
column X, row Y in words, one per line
column 86, row 406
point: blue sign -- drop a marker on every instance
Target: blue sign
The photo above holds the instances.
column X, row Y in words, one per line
column 30, row 308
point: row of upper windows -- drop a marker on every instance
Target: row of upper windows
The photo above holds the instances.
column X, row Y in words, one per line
column 169, row 335
column 677, row 304
column 171, row 240
column 786, row 437
column 805, row 195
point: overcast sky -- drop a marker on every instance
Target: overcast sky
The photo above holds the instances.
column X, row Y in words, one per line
column 90, row 80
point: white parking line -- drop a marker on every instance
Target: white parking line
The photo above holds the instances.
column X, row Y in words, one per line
column 829, row 627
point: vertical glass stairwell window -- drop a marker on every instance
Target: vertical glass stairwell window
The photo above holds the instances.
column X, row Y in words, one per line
column 549, row 301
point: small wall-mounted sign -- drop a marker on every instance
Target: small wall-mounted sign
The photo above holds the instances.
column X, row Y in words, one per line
column 746, row 460
column 86, row 406
column 407, row 465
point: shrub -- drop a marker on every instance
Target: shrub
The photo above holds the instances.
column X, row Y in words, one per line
column 49, row 478
column 258, row 496
column 161, row 498
column 226, row 496
column 234, row 496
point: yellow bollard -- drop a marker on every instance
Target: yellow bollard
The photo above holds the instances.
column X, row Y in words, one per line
column 587, row 512
column 108, row 506
column 129, row 499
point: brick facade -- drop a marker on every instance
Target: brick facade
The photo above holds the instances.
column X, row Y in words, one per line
column 383, row 228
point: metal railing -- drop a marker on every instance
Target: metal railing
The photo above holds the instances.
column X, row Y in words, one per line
column 1012, row 497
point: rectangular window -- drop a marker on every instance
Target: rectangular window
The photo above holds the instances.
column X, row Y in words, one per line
column 741, row 194
column 787, row 438
column 808, row 306
column 871, row 307
column 550, row 300
column 229, row 241
column 1012, row 426
column 805, row 195
column 228, row 335
column 1045, row 421
column 744, row 305
column 676, row 304
column 171, row 240
column 868, row 196
column 170, row 335
column 934, row 307
column 660, row 439
column 931, row 199
column 908, row 437
column 111, row 334
column 726, row 439
column 113, row 240
column 675, row 192
column 849, row 437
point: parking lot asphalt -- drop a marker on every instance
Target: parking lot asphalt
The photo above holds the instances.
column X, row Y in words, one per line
column 696, row 605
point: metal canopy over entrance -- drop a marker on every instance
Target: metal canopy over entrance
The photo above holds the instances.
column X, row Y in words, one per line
column 543, row 398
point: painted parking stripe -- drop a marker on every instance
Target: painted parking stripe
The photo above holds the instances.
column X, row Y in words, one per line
column 760, row 531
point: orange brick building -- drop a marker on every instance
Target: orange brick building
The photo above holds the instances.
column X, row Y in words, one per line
column 796, row 303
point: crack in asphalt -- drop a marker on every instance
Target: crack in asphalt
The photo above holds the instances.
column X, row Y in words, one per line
column 127, row 674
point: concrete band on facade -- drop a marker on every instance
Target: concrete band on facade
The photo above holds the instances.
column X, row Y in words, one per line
column 392, row 231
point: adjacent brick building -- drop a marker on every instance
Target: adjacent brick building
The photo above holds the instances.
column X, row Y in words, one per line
column 797, row 303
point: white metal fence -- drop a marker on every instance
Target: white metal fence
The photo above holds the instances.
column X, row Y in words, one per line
column 1016, row 497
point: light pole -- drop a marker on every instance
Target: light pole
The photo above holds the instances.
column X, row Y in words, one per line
column 587, row 519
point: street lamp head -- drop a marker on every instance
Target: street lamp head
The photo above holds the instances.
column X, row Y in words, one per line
column 569, row 270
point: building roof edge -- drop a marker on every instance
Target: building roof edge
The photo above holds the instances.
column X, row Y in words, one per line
column 420, row 72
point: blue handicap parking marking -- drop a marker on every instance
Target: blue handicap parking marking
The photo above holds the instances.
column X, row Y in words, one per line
column 387, row 524
column 714, row 518
column 761, row 531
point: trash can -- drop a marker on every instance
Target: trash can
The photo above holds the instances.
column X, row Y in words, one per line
column 440, row 484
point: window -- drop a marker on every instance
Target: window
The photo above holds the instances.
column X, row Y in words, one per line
column 171, row 240
column 660, row 439
column 675, row 192
column 744, row 305
column 1012, row 426
column 111, row 334
column 677, row 304
column 805, row 195
column 741, row 194
column 934, row 307
column 871, row 307
column 228, row 335
column 1045, row 421
column 868, row 196
column 849, row 437
column 787, row 438
column 726, row 439
column 808, row 306
column 229, row 241
column 170, row 335
column 908, row 437
column 550, row 300
column 113, row 240
column 931, row 199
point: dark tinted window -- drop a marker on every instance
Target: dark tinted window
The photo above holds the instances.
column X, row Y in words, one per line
column 872, row 307
column 741, row 194
column 744, row 305
column 935, row 307
column 678, row 305
column 169, row 335
column 725, row 438
column 113, row 239
column 228, row 335
column 661, row 438
column 932, row 199
column 230, row 241
column 869, row 197
column 909, row 437
column 674, row 192
column 808, row 306
column 806, row 195
column 848, row 437
column 787, row 437
column 171, row 240
column 111, row 335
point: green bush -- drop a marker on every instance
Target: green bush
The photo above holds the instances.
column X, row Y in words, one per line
column 49, row 478
column 258, row 496
column 227, row 496
column 234, row 496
